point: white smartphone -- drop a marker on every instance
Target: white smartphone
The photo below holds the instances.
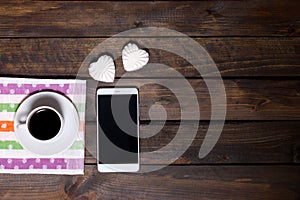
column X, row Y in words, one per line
column 118, row 130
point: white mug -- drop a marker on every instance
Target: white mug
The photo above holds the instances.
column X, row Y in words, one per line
column 39, row 135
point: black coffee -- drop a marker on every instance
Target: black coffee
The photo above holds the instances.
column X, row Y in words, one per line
column 44, row 124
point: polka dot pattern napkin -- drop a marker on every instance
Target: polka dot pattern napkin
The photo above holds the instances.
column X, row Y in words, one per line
column 13, row 157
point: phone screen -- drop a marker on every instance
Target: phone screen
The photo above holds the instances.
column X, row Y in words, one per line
column 117, row 129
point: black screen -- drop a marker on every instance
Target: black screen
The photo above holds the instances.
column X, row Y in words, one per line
column 118, row 130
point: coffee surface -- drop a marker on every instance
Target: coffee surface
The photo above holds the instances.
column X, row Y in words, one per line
column 44, row 124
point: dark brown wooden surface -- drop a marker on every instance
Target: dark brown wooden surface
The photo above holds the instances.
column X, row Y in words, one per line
column 240, row 142
column 256, row 47
column 173, row 182
column 234, row 57
column 89, row 19
column 247, row 99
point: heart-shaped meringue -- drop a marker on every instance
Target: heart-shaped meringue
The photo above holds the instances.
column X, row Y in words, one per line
column 134, row 58
column 103, row 70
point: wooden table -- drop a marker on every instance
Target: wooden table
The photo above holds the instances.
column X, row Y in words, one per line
column 256, row 47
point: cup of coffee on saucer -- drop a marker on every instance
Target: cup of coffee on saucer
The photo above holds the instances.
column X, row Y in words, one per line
column 46, row 123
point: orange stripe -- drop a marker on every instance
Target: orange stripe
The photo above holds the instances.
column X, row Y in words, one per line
column 82, row 126
column 8, row 126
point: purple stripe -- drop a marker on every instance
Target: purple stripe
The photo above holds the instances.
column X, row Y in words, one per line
column 42, row 163
column 75, row 88
column 75, row 164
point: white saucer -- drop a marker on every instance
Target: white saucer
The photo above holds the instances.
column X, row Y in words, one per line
column 57, row 144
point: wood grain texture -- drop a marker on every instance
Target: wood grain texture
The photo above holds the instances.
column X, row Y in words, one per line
column 173, row 182
column 90, row 19
column 234, row 57
column 256, row 157
column 246, row 99
column 243, row 142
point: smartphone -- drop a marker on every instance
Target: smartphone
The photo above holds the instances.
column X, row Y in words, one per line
column 118, row 130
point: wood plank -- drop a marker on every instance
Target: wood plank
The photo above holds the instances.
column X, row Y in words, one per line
column 246, row 99
column 234, row 57
column 243, row 142
column 96, row 19
column 173, row 182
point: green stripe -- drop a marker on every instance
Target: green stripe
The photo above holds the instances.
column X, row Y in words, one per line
column 80, row 107
column 9, row 107
column 77, row 145
column 10, row 145
column 12, row 107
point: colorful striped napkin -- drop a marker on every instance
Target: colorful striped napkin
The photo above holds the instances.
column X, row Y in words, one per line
column 13, row 157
